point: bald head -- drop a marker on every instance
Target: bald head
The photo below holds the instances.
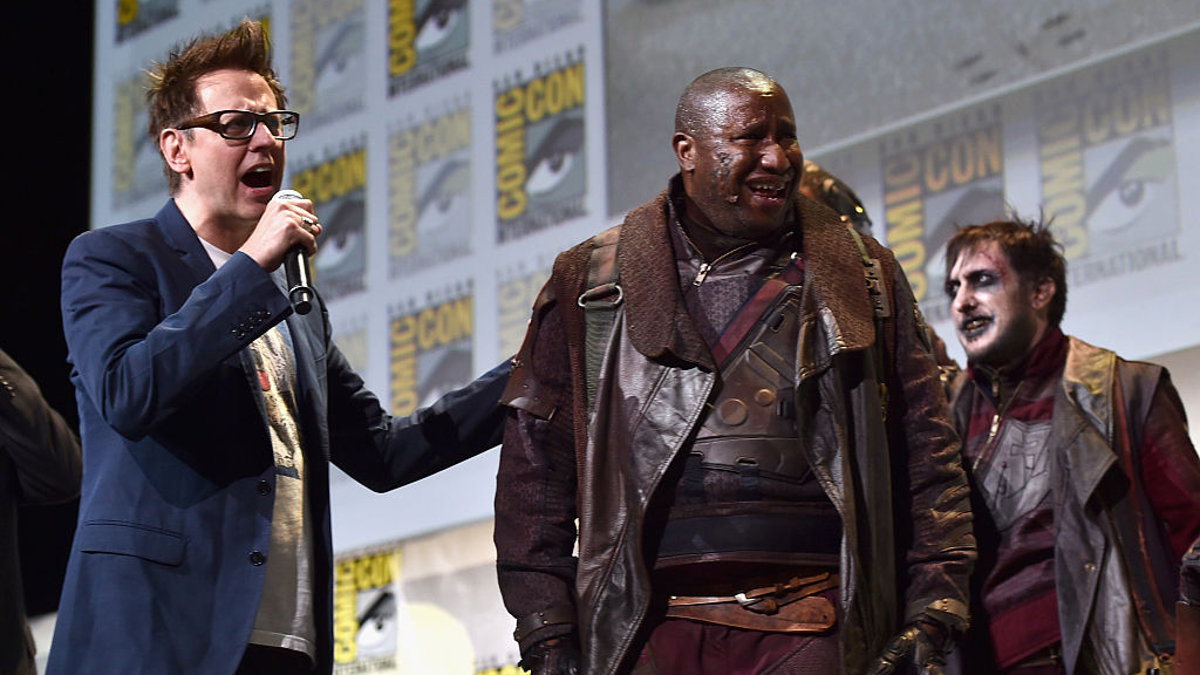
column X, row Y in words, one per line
column 739, row 160
column 702, row 101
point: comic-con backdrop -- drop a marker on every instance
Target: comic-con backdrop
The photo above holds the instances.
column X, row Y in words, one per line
column 453, row 147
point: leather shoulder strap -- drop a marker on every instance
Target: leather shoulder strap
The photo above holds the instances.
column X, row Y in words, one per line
column 600, row 301
column 879, row 299
column 882, row 308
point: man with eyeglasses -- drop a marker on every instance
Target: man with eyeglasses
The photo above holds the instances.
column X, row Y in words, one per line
column 210, row 411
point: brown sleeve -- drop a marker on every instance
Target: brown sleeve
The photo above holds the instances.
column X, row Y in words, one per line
column 931, row 486
column 536, row 484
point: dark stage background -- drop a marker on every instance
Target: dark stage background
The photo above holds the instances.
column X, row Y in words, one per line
column 49, row 132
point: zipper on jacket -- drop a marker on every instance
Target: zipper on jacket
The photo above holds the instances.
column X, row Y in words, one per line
column 706, row 267
column 1001, row 410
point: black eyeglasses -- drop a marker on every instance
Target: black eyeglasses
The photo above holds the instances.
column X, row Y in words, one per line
column 238, row 125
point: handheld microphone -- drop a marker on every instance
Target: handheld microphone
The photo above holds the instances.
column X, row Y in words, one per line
column 295, row 267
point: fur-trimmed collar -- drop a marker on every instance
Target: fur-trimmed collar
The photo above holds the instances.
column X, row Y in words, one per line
column 659, row 326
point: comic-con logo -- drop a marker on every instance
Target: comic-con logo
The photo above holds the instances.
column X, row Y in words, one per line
column 338, row 189
column 430, row 192
column 541, row 177
column 427, row 39
column 935, row 178
column 430, row 352
column 1108, row 166
column 365, row 621
column 137, row 16
column 328, row 49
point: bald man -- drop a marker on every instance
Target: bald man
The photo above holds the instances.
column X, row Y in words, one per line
column 728, row 403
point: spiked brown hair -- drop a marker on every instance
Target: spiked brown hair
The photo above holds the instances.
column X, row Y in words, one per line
column 171, row 96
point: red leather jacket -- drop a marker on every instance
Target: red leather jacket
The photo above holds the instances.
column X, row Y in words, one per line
column 1130, row 505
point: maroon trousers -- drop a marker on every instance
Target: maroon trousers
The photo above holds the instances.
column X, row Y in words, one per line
column 683, row 647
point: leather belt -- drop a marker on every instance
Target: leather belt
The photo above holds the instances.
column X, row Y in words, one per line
column 779, row 456
column 793, row 606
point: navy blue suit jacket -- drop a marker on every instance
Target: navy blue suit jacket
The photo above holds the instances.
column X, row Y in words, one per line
column 166, row 570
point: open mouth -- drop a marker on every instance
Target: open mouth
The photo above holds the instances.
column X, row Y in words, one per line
column 259, row 177
column 974, row 326
column 771, row 190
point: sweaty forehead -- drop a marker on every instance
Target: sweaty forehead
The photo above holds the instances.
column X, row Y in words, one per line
column 734, row 103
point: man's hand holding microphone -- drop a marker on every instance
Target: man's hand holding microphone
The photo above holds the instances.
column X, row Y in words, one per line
column 287, row 234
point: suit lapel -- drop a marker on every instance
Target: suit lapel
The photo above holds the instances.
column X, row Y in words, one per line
column 180, row 236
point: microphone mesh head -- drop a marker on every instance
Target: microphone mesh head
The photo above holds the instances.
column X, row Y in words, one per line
column 287, row 194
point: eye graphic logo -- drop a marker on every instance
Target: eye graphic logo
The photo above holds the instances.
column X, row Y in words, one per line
column 377, row 624
column 341, row 258
column 442, row 29
column 328, row 49
column 444, row 203
column 427, row 39
column 937, row 176
column 541, row 163
column 1108, row 162
column 555, row 167
column 430, row 187
column 337, row 188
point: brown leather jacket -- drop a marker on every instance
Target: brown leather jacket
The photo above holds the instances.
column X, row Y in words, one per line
column 896, row 479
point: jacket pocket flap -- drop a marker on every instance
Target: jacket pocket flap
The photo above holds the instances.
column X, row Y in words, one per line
column 131, row 539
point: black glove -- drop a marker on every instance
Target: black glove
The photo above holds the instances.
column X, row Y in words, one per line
column 556, row 656
column 923, row 642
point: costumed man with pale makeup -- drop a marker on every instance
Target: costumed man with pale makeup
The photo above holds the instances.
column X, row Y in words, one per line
column 1085, row 484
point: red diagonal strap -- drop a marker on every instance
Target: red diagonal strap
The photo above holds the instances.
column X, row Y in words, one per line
column 736, row 330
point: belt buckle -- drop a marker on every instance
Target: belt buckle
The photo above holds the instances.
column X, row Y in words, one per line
column 762, row 602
